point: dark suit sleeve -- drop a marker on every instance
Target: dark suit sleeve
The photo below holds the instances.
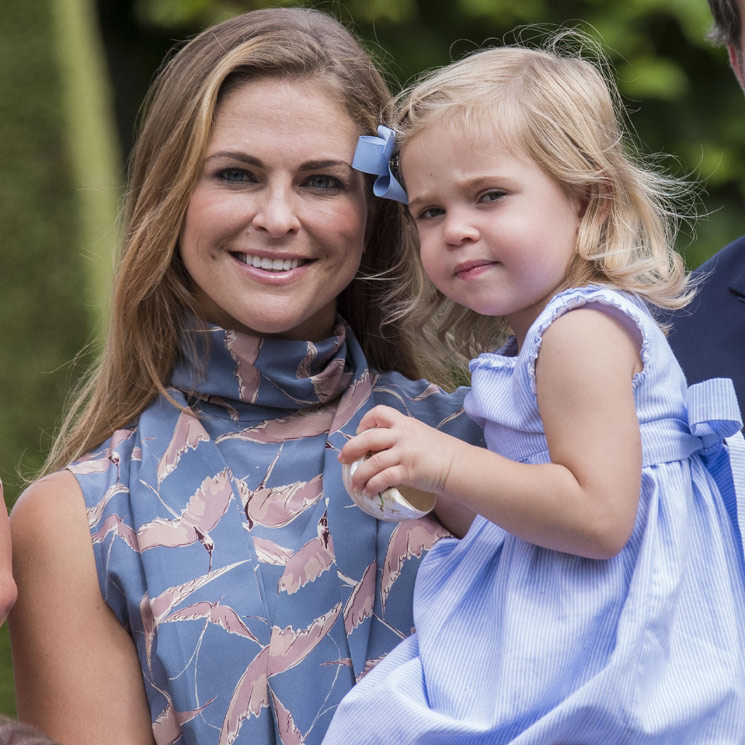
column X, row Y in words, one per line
column 708, row 336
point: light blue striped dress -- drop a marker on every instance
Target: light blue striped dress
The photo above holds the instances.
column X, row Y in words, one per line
column 520, row 644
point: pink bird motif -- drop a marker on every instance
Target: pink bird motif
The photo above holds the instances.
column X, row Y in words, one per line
column 286, row 649
column 354, row 398
column 269, row 552
column 187, row 435
column 277, row 506
column 396, row 394
column 369, row 664
column 115, row 524
column 167, row 726
column 310, row 561
column 449, row 418
column 203, row 511
column 92, row 464
column 289, row 734
column 311, row 352
column 220, row 615
column 359, row 605
column 309, row 422
column 220, row 401
column 430, row 390
column 152, row 612
column 331, row 381
column 409, row 538
column 96, row 511
column 244, row 349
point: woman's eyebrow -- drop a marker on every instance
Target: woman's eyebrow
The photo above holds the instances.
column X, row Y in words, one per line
column 252, row 160
column 236, row 155
column 314, row 164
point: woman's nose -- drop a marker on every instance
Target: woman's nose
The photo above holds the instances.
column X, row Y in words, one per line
column 276, row 213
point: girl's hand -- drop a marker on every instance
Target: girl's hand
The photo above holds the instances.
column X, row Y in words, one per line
column 404, row 451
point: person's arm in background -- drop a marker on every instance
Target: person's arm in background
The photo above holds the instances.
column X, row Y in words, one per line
column 77, row 673
column 7, row 584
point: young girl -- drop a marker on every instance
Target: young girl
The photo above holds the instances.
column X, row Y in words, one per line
column 598, row 595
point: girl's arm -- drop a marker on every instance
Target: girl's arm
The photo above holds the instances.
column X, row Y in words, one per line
column 585, row 501
column 77, row 673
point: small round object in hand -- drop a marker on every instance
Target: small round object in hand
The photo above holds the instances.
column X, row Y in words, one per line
column 393, row 504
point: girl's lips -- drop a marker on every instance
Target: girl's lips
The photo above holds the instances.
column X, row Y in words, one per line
column 472, row 268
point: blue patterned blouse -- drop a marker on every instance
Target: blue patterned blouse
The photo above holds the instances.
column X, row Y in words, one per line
column 255, row 591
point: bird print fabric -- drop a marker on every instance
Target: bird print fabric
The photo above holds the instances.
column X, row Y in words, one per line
column 256, row 593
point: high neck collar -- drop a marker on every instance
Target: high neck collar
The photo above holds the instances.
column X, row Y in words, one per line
column 236, row 368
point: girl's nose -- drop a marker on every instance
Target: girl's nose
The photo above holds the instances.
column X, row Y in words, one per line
column 276, row 213
column 459, row 229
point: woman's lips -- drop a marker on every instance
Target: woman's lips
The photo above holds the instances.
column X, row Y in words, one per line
column 272, row 271
column 270, row 264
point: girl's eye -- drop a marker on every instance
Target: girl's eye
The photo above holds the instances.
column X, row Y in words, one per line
column 235, row 175
column 430, row 212
column 323, row 182
column 493, row 195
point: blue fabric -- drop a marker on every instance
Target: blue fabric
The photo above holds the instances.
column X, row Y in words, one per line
column 518, row 644
column 373, row 155
column 708, row 336
column 255, row 591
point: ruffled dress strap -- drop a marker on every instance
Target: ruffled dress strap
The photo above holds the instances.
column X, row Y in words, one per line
column 627, row 308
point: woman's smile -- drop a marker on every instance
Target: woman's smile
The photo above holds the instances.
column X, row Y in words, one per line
column 276, row 264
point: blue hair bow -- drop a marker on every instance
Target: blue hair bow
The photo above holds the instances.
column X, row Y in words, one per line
column 373, row 155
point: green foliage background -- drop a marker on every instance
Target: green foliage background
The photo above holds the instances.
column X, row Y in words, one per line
column 73, row 73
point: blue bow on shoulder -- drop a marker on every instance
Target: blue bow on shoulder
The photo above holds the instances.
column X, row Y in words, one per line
column 373, row 155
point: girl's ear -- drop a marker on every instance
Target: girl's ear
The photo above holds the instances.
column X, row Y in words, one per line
column 584, row 202
column 600, row 194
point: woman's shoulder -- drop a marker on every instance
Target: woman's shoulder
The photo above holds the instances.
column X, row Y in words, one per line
column 49, row 507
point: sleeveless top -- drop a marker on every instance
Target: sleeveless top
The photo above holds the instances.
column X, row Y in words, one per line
column 256, row 593
column 523, row 645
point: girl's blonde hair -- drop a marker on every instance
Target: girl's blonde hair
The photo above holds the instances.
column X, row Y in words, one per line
column 152, row 294
column 563, row 111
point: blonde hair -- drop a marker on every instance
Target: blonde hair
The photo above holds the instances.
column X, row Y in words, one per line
column 152, row 293
column 563, row 112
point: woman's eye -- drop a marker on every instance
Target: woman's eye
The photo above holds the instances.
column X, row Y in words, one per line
column 323, row 182
column 235, row 175
column 494, row 195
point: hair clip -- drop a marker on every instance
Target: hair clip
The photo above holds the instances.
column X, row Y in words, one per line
column 373, row 155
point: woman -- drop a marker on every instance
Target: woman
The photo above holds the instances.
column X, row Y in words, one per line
column 198, row 572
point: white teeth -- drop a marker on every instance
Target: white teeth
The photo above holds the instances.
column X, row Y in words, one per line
column 272, row 265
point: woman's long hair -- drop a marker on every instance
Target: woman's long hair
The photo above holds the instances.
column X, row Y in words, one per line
column 152, row 294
